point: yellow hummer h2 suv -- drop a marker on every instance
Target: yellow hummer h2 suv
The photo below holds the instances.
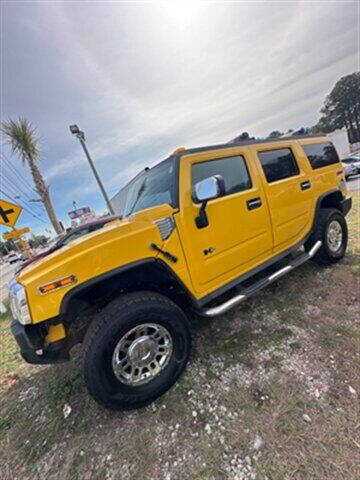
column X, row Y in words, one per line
column 202, row 231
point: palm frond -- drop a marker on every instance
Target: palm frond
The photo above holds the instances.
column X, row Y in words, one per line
column 22, row 137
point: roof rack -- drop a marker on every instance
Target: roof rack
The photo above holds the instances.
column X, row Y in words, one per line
column 246, row 142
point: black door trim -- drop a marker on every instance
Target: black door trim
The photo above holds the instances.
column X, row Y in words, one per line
column 253, row 203
column 305, row 185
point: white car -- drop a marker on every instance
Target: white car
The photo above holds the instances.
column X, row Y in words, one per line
column 355, row 158
column 13, row 257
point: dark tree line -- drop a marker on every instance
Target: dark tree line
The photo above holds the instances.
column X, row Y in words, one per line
column 342, row 107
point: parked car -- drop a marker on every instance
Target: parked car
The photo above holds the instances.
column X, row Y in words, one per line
column 353, row 159
column 71, row 236
column 13, row 257
column 203, row 231
column 349, row 168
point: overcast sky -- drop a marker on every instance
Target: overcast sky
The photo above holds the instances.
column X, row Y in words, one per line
column 144, row 78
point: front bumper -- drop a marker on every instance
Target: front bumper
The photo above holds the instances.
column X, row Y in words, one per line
column 346, row 204
column 30, row 339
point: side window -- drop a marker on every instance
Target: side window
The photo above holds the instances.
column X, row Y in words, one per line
column 232, row 169
column 321, row 154
column 278, row 164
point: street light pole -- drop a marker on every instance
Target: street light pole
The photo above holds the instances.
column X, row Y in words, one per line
column 74, row 129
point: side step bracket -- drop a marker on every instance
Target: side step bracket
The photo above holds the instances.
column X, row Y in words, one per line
column 247, row 292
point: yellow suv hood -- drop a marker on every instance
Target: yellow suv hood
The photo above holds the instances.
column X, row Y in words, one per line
column 116, row 244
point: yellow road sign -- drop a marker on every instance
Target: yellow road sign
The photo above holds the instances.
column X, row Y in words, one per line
column 9, row 213
column 15, row 233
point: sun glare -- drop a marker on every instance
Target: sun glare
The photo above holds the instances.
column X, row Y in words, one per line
column 182, row 13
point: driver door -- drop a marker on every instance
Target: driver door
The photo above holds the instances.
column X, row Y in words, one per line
column 238, row 235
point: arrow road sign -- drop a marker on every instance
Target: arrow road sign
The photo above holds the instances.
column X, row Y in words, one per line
column 9, row 213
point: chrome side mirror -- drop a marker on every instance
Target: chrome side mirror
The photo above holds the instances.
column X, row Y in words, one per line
column 205, row 190
column 209, row 188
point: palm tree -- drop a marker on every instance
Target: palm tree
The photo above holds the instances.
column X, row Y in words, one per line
column 21, row 136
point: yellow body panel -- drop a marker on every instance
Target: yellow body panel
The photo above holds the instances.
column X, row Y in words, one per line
column 113, row 246
column 239, row 239
column 290, row 207
column 55, row 333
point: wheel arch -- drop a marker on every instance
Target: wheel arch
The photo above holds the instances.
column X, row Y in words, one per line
column 147, row 274
column 331, row 199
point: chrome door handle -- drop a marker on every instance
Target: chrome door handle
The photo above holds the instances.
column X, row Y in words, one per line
column 253, row 203
column 305, row 185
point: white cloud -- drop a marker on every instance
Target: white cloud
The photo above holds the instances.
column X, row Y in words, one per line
column 142, row 79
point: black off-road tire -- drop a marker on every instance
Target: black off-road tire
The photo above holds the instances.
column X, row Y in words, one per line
column 110, row 325
column 326, row 256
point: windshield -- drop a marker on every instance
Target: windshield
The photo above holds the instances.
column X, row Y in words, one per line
column 74, row 236
column 154, row 187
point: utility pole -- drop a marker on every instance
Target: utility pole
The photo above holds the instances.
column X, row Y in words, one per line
column 74, row 129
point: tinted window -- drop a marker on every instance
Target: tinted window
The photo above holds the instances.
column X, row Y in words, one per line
column 75, row 235
column 321, row 154
column 278, row 164
column 232, row 169
column 154, row 187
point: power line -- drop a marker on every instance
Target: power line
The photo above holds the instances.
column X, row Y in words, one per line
column 16, row 172
column 17, row 188
column 14, row 183
column 15, row 192
column 23, row 206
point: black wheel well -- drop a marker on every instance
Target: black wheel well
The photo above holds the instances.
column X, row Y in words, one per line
column 332, row 200
column 80, row 305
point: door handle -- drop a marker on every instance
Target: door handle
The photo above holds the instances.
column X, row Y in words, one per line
column 253, row 203
column 305, row 185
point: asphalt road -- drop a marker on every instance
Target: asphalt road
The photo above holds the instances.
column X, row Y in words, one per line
column 354, row 183
column 6, row 274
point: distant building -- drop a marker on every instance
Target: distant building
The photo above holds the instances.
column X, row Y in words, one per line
column 341, row 142
column 118, row 201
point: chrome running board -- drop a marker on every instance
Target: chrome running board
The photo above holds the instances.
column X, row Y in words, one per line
column 247, row 292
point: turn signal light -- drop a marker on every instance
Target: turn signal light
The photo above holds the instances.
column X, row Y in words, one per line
column 55, row 285
column 178, row 150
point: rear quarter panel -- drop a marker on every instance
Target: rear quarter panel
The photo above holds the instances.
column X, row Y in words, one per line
column 324, row 179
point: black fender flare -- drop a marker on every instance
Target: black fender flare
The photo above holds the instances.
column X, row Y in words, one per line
column 120, row 270
column 338, row 201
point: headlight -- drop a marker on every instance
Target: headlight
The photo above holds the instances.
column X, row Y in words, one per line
column 18, row 303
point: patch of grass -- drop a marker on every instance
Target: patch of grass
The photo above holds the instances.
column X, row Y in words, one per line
column 76, row 468
column 64, row 389
column 295, row 345
column 5, row 424
column 333, row 335
column 280, row 335
column 344, row 330
column 10, row 359
column 6, row 315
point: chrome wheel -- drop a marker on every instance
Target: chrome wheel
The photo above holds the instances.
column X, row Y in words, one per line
column 334, row 236
column 142, row 353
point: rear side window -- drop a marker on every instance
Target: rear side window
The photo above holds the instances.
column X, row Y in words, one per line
column 321, row 154
column 278, row 164
column 232, row 169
